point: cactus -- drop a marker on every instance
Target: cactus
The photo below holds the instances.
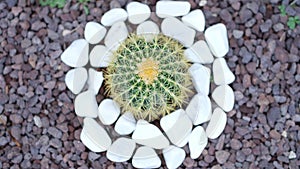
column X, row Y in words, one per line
column 148, row 78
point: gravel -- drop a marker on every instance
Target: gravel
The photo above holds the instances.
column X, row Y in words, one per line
column 222, row 156
column 38, row 126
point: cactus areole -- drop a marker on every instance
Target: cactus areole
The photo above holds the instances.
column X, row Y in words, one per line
column 149, row 78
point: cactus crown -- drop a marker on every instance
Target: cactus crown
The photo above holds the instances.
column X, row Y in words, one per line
column 148, row 78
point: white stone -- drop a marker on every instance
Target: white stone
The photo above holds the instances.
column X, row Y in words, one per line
column 200, row 77
column 37, row 121
column 284, row 134
column 113, row 16
column 75, row 79
column 86, row 105
column 126, row 124
column 195, row 19
column 177, row 127
column 173, row 156
column 224, row 97
column 145, row 157
column 221, row 72
column 292, row 155
column 216, row 124
column 202, row 2
column 149, row 135
column 138, row 12
column 100, row 56
column 121, row 150
column 199, row 109
column 174, row 28
column 148, row 29
column 198, row 141
column 94, row 137
column 166, row 9
column 116, row 35
column 76, row 55
column 217, row 40
column 95, row 80
column 109, row 111
column 94, row 32
column 199, row 53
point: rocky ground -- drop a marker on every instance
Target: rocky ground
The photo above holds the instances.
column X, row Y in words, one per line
column 38, row 126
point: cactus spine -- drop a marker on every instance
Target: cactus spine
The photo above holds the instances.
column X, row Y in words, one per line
column 148, row 78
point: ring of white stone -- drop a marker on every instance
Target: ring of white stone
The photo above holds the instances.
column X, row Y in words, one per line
column 139, row 139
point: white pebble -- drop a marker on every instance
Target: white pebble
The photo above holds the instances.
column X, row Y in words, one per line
column 173, row 156
column 95, row 80
column 94, row 32
column 113, row 16
column 216, row 124
column 138, row 12
column 109, row 111
column 116, row 35
column 195, row 19
column 217, row 40
column 149, row 135
column 145, row 157
column 174, row 28
column 224, row 97
column 94, row 137
column 121, row 150
column 76, row 55
column 222, row 73
column 166, row 9
column 125, row 124
column 75, row 79
column 86, row 105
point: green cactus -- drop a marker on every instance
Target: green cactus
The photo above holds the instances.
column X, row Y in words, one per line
column 149, row 78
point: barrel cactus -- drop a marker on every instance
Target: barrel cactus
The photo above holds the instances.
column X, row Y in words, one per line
column 149, row 78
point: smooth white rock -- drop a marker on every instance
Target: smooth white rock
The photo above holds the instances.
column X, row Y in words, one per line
column 94, row 32
column 222, row 73
column 94, row 137
column 116, row 35
column 113, row 16
column 292, row 155
column 199, row 53
column 200, row 77
column 95, row 80
column 173, row 156
column 216, row 124
column 224, row 97
column 109, row 111
column 76, row 55
column 174, row 28
column 145, row 157
column 198, row 141
column 100, row 56
column 199, row 109
column 148, row 29
column 217, row 40
column 138, row 12
column 121, row 150
column 202, row 2
column 166, row 9
column 75, row 79
column 149, row 135
column 37, row 121
column 125, row 124
column 177, row 127
column 195, row 19
column 86, row 105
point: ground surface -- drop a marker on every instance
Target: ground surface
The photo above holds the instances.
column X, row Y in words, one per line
column 38, row 126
